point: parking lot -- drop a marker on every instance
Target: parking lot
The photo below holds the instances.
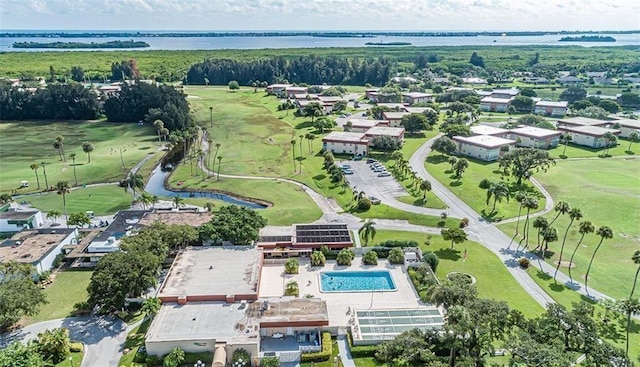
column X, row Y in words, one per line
column 365, row 179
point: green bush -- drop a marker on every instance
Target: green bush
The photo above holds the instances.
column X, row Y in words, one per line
column 383, row 253
column 152, row 361
column 323, row 355
column 318, row 258
column 395, row 243
column 396, row 255
column 360, row 351
column 524, row 262
column 44, row 276
column 76, row 347
column 345, row 256
column 270, row 362
column 241, row 354
column 292, row 289
column 431, row 259
column 364, row 203
column 140, row 357
column 370, row 258
column 192, row 358
column 291, row 266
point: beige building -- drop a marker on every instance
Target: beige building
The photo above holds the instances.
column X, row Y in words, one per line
column 533, row 137
column 589, row 135
column 339, row 142
column 483, row 147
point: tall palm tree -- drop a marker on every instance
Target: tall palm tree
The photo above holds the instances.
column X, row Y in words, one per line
column 425, row 186
column 219, row 163
column 562, row 207
column 574, row 214
column 367, row 232
column 566, row 138
column 158, row 125
column 519, row 196
column 549, row 234
column 293, row 153
column 146, row 199
column 134, row 181
column 200, row 155
column 154, row 200
column 301, row 137
column 633, row 137
column 214, row 157
column 610, row 139
column 44, row 172
column 499, row 191
column 58, row 144
column 636, row 260
column 53, row 215
column 629, row 306
column 605, row 233
column 452, row 161
column 178, row 201
column 209, row 142
column 631, row 310
column 540, row 223
column 211, row 116
column 88, row 148
column 35, row 167
column 530, row 202
column 584, row 228
column 73, row 164
column 62, row 188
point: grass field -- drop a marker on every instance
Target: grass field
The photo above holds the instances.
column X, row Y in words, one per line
column 494, row 281
column 23, row 143
column 290, row 203
column 467, row 187
column 103, row 200
column 68, row 288
column 135, row 339
column 607, row 191
column 76, row 360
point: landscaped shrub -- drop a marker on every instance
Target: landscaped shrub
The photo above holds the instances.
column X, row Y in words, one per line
column 431, row 259
column 396, row 255
column 270, row 362
column 364, row 203
column 192, row 358
column 53, row 344
column 360, row 351
column 422, row 279
column 323, row 355
column 76, row 347
column 370, row 258
column 383, row 253
column 292, row 289
column 240, row 358
column 524, row 262
column 396, row 243
column 81, row 308
column 460, row 278
column 141, row 356
column 291, row 266
column 318, row 259
column 152, row 361
column 345, row 256
column 173, row 358
column 464, row 222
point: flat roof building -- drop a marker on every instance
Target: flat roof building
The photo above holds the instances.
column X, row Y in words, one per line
column 362, row 125
column 589, row 135
column 304, row 238
column 353, row 143
column 627, row 126
column 533, row 137
column 583, row 121
column 12, row 221
column 488, row 130
column 38, row 247
column 395, row 132
column 484, row 147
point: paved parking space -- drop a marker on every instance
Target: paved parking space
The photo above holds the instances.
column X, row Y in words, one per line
column 364, row 179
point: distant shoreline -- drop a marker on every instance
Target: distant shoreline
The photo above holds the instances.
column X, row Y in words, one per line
column 388, row 44
column 337, row 34
column 592, row 38
column 82, row 45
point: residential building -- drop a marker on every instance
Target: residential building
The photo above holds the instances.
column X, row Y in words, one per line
column 369, row 92
column 278, row 89
column 627, row 126
column 569, row 80
column 588, row 135
column 12, row 220
column 394, row 132
column 483, row 93
column 362, row 125
column 394, row 118
column 505, row 93
column 397, row 107
column 417, row 109
column 416, row 97
column 533, row 137
column 536, row 80
column 583, row 121
column 489, row 130
column 38, row 247
column 492, row 104
column 474, row 80
column 339, row 142
column 291, row 92
column 483, row 147
column 550, row 108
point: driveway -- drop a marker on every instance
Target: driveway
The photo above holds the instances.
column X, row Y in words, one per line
column 102, row 336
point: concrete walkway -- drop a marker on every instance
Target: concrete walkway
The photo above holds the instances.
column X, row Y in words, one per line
column 345, row 354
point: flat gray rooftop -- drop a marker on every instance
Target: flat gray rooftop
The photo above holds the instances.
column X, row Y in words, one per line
column 214, row 270
column 224, row 322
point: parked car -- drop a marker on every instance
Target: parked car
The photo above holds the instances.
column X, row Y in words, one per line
column 374, row 200
column 343, row 116
column 357, row 158
column 348, row 171
column 380, row 170
column 384, row 174
column 371, row 160
column 345, row 166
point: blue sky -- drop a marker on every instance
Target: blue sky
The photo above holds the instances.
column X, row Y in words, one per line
column 494, row 15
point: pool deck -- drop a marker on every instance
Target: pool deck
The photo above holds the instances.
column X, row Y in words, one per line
column 274, row 279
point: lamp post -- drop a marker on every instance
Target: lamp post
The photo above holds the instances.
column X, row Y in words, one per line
column 71, row 361
column 211, row 115
column 122, row 159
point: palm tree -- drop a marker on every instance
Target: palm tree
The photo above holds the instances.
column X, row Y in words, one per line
column 146, row 199
column 499, row 191
column 200, row 155
column 540, row 223
column 44, row 172
column 562, row 207
column 629, row 306
column 151, row 306
column 158, row 125
column 35, row 167
column 566, row 138
column 308, row 137
column 5, row 198
column 452, row 161
column 609, row 139
column 293, row 150
column 301, row 137
column 53, row 215
column 603, row 232
column 530, row 202
column 58, row 144
column 219, row 163
column 88, row 148
column 519, row 196
column 633, row 137
column 425, row 186
column 574, row 214
column 73, row 164
column 549, row 234
column 213, row 168
column 636, row 260
column 62, row 188
column 178, row 201
column 584, row 228
column 154, row 200
column 211, row 116
column 134, row 181
column 367, row 231
column 209, row 142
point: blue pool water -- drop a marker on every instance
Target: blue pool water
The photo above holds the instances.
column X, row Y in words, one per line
column 356, row 281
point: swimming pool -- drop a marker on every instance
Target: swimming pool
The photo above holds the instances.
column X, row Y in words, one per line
column 356, row 281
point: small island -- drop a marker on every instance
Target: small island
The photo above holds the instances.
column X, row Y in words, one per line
column 388, row 44
column 590, row 38
column 80, row 45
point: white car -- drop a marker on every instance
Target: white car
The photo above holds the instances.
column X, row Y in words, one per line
column 384, row 174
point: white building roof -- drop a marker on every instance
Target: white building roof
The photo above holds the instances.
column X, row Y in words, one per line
column 384, row 130
column 417, row 109
column 346, row 137
column 484, row 93
column 394, row 115
column 560, row 104
column 361, row 123
column 391, row 105
column 534, row 132
column 487, row 130
column 485, row 141
column 634, row 124
column 512, row 91
column 494, row 100
column 417, row 95
column 596, row 131
column 583, row 121
column 279, row 86
column 297, row 89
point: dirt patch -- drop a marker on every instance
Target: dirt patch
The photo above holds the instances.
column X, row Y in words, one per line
column 565, row 264
column 193, row 97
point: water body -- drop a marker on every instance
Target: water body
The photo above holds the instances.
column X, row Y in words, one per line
column 155, row 186
column 247, row 43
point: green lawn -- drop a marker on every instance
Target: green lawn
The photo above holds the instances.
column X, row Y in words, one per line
column 290, row 203
column 68, row 288
column 579, row 151
column 103, row 200
column 335, row 352
column 25, row 142
column 607, row 192
column 467, row 187
column 135, row 339
column 494, row 281
column 76, row 360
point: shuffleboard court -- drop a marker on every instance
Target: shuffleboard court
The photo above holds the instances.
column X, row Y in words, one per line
column 372, row 326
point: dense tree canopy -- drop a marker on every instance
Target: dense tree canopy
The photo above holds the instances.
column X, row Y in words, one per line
column 522, row 163
column 20, row 355
column 19, row 295
column 235, row 224
column 309, row 69
column 149, row 102
column 55, row 102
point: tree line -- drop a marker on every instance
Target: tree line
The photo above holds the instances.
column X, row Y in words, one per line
column 309, row 69
column 55, row 102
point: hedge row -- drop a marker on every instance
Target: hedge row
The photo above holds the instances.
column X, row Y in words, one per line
column 395, row 243
column 360, row 351
column 323, row 355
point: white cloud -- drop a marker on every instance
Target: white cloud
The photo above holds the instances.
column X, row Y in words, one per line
column 321, row 14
